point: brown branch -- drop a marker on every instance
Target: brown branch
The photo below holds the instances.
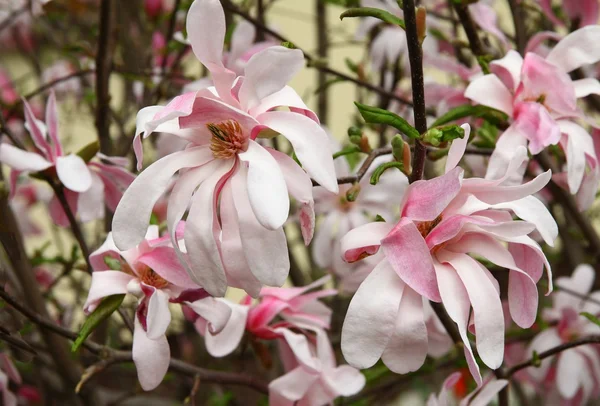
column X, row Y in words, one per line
column 117, row 356
column 322, row 52
column 595, row 339
column 518, row 14
column 169, row 34
column 106, row 45
column 468, row 24
column 12, row 17
column 415, row 56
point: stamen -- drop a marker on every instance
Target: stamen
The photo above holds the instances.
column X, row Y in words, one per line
column 227, row 140
column 151, row 278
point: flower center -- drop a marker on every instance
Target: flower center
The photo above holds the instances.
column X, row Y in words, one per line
column 227, row 139
column 151, row 278
column 425, row 227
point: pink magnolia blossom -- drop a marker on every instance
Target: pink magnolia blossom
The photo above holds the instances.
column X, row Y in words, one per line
column 312, row 377
column 151, row 272
column 479, row 397
column 426, row 257
column 575, row 373
column 486, row 18
column 8, row 373
column 234, row 233
column 540, row 97
column 389, row 44
column 585, row 12
column 340, row 216
column 294, row 306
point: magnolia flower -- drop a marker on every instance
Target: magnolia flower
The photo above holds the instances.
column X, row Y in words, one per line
column 340, row 216
column 24, row 199
column 584, row 12
column 574, row 372
column 151, row 272
column 388, row 45
column 71, row 169
column 479, row 397
column 8, row 372
column 426, row 256
column 540, row 97
column 486, row 18
column 295, row 306
column 236, row 190
column 312, row 376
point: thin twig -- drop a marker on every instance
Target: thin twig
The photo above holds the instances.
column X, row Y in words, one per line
column 595, row 339
column 169, row 35
column 116, row 356
column 363, row 168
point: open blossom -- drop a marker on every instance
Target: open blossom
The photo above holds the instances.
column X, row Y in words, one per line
column 426, row 256
column 340, row 216
column 89, row 187
column 236, row 190
column 540, row 97
column 152, row 273
column 312, row 377
column 293, row 306
column 575, row 372
column 8, row 373
column 479, row 397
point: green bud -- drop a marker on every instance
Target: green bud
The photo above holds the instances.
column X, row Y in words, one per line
column 353, row 192
column 440, row 135
column 398, row 148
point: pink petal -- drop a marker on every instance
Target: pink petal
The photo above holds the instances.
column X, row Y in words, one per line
column 163, row 261
column 20, row 160
column 207, row 110
column 579, row 143
column 52, row 123
column 131, row 218
column 286, row 97
column 487, row 308
column 158, row 317
column 310, row 143
column 242, row 39
column 570, row 367
column 90, row 204
column 266, row 186
column 586, row 87
column 202, row 235
column 205, row 25
column 73, row 173
column 426, row 199
column 507, row 145
column 489, row 91
column 409, row 256
column 535, row 122
column 576, row 49
column 371, row 317
column 300, row 187
column 299, row 345
column 456, row 302
column 268, row 72
column 487, row 393
column 457, row 149
column 345, row 380
column 508, row 69
column 107, row 248
column 364, row 240
column 106, row 283
column 151, row 357
column 217, row 312
column 291, row 387
column 266, row 250
column 227, row 340
column 238, row 271
column 407, row 348
column 37, row 133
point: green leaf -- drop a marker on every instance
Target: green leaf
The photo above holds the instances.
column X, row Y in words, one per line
column 466, row 110
column 350, row 149
column 89, row 151
column 375, row 115
column 382, row 15
column 591, row 318
column 384, row 167
column 440, row 135
column 102, row 312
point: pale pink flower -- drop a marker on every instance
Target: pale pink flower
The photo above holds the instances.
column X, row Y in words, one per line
column 340, row 216
column 585, row 12
column 8, row 373
column 479, row 397
column 312, row 378
column 236, row 190
column 426, row 256
column 294, row 307
column 151, row 272
column 390, row 43
column 486, row 18
column 575, row 373
column 25, row 198
column 541, row 99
